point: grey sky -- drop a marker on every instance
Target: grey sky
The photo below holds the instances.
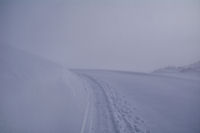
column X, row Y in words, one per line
column 122, row 34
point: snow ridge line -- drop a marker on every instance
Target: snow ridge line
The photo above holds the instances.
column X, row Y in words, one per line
column 121, row 118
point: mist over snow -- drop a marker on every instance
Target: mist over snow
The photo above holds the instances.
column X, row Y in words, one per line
column 121, row 35
column 190, row 71
column 72, row 66
column 39, row 96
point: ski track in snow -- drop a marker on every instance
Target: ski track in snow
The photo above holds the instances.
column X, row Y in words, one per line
column 83, row 127
column 87, row 122
column 113, row 115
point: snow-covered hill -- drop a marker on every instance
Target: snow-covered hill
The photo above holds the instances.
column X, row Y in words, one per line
column 38, row 96
column 188, row 71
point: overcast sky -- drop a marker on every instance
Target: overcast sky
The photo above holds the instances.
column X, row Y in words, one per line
column 136, row 35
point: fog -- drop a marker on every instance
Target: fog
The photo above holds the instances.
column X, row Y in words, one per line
column 122, row 35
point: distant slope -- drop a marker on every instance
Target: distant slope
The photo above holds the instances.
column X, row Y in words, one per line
column 38, row 96
column 188, row 71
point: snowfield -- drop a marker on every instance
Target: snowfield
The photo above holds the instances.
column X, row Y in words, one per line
column 38, row 96
column 148, row 102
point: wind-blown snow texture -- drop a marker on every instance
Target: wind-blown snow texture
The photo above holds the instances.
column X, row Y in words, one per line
column 38, row 96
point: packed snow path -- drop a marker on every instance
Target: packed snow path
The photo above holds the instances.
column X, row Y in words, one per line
column 109, row 113
column 165, row 103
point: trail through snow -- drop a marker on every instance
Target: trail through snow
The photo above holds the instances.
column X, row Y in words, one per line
column 128, row 102
column 38, row 96
column 112, row 114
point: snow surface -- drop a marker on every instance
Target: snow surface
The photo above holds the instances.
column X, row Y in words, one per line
column 188, row 71
column 149, row 102
column 39, row 96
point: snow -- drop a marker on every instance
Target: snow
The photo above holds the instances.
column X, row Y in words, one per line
column 160, row 103
column 39, row 96
column 188, row 71
column 112, row 113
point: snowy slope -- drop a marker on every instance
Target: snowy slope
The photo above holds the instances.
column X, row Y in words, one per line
column 38, row 96
column 188, row 71
column 129, row 102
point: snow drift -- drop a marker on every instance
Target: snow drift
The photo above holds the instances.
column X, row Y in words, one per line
column 38, row 96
